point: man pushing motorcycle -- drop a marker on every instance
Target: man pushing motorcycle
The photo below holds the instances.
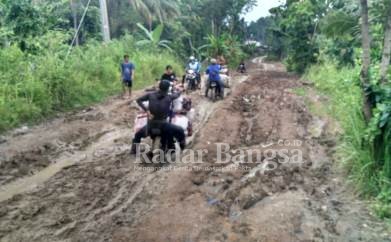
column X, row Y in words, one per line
column 159, row 111
column 213, row 71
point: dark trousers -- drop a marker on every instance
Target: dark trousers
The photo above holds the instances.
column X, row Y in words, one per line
column 220, row 88
column 198, row 79
column 170, row 133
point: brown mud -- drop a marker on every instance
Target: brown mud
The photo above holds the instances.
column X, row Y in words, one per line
column 72, row 179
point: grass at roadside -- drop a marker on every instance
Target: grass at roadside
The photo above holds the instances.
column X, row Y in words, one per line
column 355, row 151
column 34, row 87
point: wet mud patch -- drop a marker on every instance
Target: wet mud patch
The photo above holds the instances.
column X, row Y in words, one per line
column 110, row 198
column 41, row 146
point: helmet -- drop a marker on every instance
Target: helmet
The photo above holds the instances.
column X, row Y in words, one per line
column 192, row 58
column 164, row 86
column 213, row 61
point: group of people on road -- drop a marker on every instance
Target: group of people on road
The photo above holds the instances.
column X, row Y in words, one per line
column 213, row 72
column 160, row 101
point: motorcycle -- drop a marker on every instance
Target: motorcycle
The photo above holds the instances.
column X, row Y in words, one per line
column 224, row 74
column 191, row 80
column 182, row 116
column 224, row 70
column 213, row 91
column 242, row 68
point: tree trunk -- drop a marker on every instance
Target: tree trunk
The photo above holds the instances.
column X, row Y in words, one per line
column 366, row 41
column 75, row 23
column 213, row 26
column 150, row 21
column 366, row 57
column 386, row 49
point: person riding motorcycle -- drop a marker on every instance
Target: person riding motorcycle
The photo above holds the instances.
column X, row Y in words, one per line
column 159, row 110
column 213, row 71
column 194, row 65
column 242, row 67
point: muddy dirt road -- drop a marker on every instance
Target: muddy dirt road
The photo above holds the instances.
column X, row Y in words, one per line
column 71, row 179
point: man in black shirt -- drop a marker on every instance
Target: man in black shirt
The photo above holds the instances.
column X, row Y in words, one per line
column 159, row 110
column 169, row 74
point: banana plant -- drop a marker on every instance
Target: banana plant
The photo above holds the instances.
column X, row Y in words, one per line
column 216, row 45
column 153, row 37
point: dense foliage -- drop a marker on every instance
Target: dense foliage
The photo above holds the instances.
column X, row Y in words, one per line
column 41, row 74
column 326, row 39
column 36, row 86
column 188, row 24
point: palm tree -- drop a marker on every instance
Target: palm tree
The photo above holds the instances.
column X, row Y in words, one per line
column 340, row 23
column 160, row 10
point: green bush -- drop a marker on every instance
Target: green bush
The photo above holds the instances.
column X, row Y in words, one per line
column 225, row 45
column 364, row 150
column 33, row 87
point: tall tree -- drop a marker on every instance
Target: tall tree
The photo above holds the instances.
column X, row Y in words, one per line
column 366, row 56
column 296, row 24
column 386, row 47
column 366, row 41
column 75, row 22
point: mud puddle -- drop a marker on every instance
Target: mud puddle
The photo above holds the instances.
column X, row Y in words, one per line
column 107, row 197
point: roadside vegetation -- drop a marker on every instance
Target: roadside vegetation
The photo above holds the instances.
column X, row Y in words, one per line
column 358, row 150
column 41, row 75
column 344, row 47
column 36, row 86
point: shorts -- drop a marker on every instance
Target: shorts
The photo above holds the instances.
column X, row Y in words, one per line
column 128, row 83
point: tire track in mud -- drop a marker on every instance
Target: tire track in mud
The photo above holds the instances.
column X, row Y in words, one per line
column 69, row 154
column 127, row 199
column 109, row 199
column 67, row 159
column 89, row 156
column 25, row 154
column 307, row 201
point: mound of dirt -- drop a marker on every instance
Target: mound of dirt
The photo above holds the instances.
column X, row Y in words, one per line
column 95, row 191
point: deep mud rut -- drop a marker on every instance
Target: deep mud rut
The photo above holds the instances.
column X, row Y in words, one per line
column 71, row 179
